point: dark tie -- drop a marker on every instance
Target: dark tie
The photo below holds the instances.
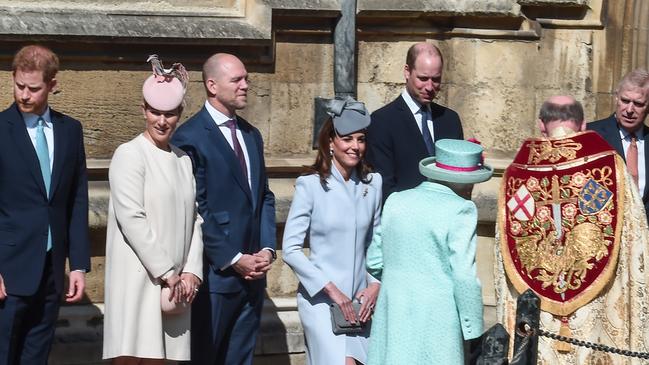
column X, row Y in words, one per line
column 425, row 132
column 232, row 125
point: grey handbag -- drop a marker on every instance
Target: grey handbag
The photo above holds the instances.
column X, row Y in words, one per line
column 338, row 323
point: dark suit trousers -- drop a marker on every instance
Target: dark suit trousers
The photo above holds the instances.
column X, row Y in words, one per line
column 27, row 323
column 231, row 321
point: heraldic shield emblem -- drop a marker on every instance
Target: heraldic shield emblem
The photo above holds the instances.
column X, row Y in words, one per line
column 558, row 218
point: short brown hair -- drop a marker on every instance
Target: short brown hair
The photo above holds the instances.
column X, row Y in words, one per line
column 36, row 58
column 416, row 49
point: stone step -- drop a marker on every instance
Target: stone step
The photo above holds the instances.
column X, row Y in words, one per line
column 280, row 342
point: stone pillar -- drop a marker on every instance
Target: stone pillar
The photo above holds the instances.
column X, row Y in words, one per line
column 622, row 46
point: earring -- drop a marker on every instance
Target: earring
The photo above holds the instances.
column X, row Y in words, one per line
column 331, row 152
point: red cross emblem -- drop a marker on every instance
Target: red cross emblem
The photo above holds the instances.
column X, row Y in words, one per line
column 521, row 205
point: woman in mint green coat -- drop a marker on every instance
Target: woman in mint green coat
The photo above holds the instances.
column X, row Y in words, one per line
column 424, row 255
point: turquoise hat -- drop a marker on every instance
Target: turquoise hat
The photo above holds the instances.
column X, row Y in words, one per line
column 456, row 161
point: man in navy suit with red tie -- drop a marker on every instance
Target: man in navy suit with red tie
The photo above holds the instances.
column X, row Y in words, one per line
column 404, row 131
column 238, row 210
column 43, row 210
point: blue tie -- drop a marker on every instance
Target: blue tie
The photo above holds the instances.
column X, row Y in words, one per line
column 425, row 132
column 43, row 154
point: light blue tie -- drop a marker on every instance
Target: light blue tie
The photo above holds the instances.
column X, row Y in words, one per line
column 43, row 154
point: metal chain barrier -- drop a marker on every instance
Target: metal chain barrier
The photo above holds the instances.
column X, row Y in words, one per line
column 591, row 345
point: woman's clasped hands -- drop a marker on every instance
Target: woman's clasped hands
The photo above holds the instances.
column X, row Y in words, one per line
column 367, row 297
column 183, row 287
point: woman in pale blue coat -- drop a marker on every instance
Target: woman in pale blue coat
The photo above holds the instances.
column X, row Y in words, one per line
column 424, row 254
column 338, row 206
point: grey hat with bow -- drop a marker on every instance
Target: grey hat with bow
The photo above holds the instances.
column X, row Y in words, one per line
column 348, row 115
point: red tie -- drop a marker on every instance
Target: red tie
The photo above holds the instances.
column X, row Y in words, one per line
column 232, row 125
column 632, row 159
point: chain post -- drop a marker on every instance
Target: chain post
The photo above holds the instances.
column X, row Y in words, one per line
column 526, row 341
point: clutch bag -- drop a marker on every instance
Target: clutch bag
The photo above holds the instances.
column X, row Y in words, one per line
column 338, row 323
column 169, row 307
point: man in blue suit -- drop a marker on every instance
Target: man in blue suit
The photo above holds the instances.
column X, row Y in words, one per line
column 404, row 131
column 625, row 130
column 239, row 213
column 43, row 210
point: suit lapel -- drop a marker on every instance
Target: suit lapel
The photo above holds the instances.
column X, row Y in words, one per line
column 253, row 156
column 59, row 150
column 613, row 138
column 645, row 194
column 26, row 148
column 223, row 147
column 412, row 129
column 440, row 128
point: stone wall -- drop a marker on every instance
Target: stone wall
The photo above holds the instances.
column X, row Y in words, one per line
column 502, row 59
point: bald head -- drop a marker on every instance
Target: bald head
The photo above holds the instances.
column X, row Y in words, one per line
column 561, row 111
column 561, row 100
column 422, row 48
column 218, row 63
column 226, row 83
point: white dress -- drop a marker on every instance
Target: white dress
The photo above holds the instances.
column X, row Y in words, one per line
column 152, row 227
column 339, row 221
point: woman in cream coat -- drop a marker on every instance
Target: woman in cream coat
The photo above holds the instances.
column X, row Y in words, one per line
column 339, row 206
column 153, row 239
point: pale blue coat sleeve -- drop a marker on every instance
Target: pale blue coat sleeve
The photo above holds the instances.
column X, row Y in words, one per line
column 297, row 225
column 371, row 278
column 466, row 286
column 375, row 256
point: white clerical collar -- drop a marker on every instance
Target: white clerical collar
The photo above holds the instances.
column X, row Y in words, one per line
column 561, row 132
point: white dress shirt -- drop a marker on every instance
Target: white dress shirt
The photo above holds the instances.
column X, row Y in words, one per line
column 415, row 109
column 31, row 122
column 220, row 119
column 626, row 142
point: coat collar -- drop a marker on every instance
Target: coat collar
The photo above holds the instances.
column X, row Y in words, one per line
column 26, row 148
column 433, row 186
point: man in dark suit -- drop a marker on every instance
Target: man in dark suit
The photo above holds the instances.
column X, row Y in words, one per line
column 239, row 212
column 625, row 129
column 404, row 131
column 43, row 210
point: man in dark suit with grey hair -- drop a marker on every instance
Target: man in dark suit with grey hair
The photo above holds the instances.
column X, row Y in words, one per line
column 625, row 130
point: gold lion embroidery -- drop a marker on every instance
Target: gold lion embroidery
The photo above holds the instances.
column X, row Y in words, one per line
column 562, row 266
column 552, row 151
